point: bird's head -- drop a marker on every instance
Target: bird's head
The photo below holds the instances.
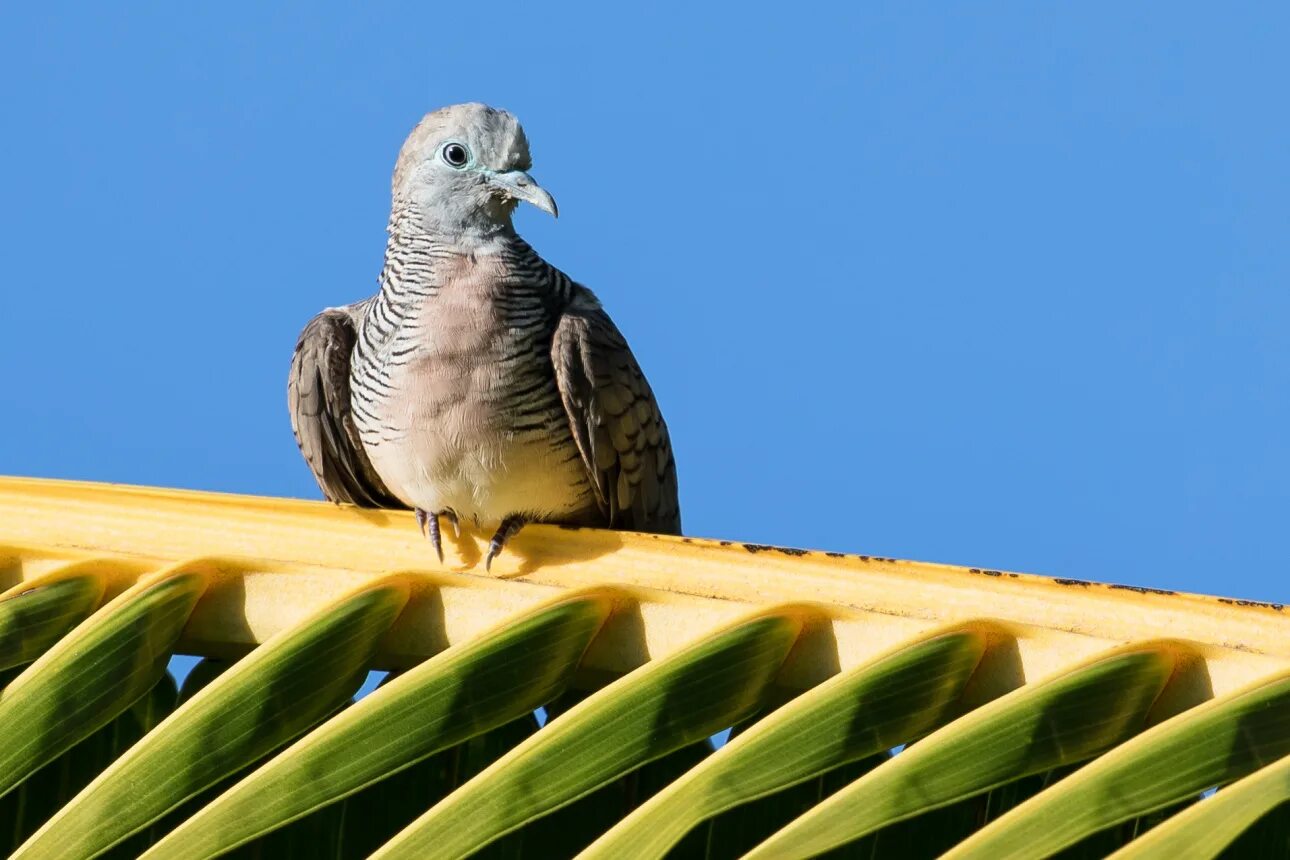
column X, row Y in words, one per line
column 464, row 169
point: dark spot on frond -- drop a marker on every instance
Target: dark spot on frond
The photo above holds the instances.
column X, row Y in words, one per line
column 1142, row 589
column 1231, row 601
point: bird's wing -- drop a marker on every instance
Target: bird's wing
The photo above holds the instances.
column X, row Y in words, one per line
column 615, row 420
column 318, row 398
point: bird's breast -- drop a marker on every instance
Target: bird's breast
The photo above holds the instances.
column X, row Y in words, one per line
column 471, row 418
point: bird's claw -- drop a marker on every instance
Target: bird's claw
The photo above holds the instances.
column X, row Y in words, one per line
column 507, row 530
column 429, row 525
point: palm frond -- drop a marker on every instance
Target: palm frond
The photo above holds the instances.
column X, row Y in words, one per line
column 879, row 707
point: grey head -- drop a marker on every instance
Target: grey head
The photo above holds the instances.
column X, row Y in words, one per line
column 464, row 169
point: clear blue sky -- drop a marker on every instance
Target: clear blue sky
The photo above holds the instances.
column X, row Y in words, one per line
column 1006, row 287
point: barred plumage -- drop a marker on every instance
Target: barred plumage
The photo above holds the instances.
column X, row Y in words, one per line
column 481, row 382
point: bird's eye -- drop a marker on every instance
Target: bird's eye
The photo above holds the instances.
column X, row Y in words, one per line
column 455, row 155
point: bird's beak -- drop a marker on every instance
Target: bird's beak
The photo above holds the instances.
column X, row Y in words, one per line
column 521, row 186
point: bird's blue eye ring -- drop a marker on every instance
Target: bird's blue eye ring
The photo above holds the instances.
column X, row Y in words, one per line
column 455, row 155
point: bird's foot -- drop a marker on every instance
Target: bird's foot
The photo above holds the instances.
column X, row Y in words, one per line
column 507, row 530
column 451, row 516
column 429, row 525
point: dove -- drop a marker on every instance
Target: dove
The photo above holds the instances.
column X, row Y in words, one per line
column 480, row 383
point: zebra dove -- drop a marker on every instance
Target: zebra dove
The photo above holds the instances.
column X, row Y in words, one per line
column 480, row 382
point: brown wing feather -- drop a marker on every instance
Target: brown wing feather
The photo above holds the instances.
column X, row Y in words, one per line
column 318, row 398
column 615, row 420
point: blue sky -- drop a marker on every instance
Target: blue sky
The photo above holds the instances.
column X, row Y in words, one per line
column 1002, row 286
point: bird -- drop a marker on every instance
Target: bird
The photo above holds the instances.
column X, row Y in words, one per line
column 480, row 383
